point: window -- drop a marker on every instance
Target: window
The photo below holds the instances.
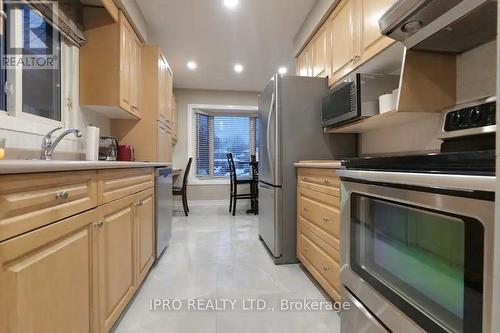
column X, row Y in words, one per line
column 219, row 134
column 31, row 70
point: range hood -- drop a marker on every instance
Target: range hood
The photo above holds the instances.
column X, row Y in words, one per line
column 445, row 26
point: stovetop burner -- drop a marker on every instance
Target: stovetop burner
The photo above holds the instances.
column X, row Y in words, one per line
column 466, row 163
column 468, row 148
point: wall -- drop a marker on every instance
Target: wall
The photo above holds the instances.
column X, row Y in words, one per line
column 476, row 78
column 24, row 137
column 180, row 151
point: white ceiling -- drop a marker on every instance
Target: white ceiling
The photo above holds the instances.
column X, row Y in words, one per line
column 258, row 34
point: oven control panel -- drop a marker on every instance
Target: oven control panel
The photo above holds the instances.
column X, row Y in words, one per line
column 471, row 117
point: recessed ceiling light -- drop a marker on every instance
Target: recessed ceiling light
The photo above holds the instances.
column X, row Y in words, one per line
column 191, row 65
column 238, row 68
column 282, row 70
column 231, row 4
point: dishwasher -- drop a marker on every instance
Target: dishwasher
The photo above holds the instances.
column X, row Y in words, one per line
column 164, row 206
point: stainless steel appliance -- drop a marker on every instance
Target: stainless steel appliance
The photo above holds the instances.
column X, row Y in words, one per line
column 356, row 97
column 164, row 202
column 290, row 130
column 449, row 26
column 417, row 232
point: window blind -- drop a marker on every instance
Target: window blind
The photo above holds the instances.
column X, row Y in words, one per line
column 219, row 134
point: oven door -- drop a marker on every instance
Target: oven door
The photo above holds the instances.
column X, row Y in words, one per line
column 418, row 258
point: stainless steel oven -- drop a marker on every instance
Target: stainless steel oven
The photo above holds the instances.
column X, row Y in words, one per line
column 416, row 249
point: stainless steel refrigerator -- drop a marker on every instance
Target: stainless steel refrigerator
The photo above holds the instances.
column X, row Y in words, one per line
column 290, row 130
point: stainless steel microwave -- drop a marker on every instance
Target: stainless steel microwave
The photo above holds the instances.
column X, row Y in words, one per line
column 356, row 97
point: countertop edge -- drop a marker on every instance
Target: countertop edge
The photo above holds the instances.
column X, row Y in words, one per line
column 319, row 165
column 11, row 167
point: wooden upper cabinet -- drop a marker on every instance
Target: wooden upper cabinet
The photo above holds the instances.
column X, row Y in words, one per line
column 320, row 53
column 47, row 279
column 175, row 116
column 304, row 62
column 110, row 64
column 344, row 37
column 372, row 41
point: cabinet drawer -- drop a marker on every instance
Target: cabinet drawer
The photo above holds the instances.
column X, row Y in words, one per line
column 320, row 197
column 321, row 180
column 117, row 184
column 320, row 259
column 323, row 217
column 30, row 201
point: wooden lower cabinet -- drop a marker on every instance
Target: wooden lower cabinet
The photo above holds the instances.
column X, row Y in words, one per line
column 318, row 226
column 116, row 259
column 145, row 231
column 78, row 274
column 47, row 279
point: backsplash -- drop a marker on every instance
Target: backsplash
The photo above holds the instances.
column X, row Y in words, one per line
column 23, row 138
column 476, row 78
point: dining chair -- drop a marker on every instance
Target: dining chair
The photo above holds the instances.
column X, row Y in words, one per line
column 234, row 182
column 182, row 191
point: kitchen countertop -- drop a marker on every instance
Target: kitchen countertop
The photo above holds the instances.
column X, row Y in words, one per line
column 319, row 164
column 34, row 166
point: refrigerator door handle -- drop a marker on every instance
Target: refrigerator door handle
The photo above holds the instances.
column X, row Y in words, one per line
column 271, row 108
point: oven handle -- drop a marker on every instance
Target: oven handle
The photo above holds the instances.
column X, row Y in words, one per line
column 462, row 183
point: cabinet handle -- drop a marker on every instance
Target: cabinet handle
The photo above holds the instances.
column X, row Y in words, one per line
column 99, row 224
column 305, row 179
column 306, row 210
column 62, row 195
column 125, row 100
column 326, row 268
column 327, row 181
column 140, row 203
column 326, row 219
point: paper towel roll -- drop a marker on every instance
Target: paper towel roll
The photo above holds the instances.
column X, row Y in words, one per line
column 92, row 143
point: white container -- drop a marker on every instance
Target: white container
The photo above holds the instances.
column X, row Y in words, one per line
column 386, row 103
column 92, row 143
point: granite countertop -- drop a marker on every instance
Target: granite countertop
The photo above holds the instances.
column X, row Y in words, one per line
column 34, row 166
column 319, row 164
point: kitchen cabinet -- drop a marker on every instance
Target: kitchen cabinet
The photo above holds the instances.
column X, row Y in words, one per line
column 164, row 143
column 110, row 65
column 149, row 135
column 48, row 278
column 321, row 46
column 145, row 233
column 78, row 273
column 304, row 62
column 345, row 26
column 117, row 282
column 175, row 115
column 318, row 226
column 348, row 38
column 372, row 41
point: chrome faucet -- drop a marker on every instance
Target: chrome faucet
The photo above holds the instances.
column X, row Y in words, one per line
column 48, row 146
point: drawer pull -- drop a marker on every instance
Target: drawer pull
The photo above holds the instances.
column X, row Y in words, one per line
column 140, row 203
column 306, row 210
column 62, row 195
column 305, row 179
column 99, row 224
column 326, row 268
column 327, row 181
column 326, row 219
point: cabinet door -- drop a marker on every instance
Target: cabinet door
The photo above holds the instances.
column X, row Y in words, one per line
column 125, row 63
column 47, row 279
column 116, row 259
column 372, row 41
column 304, row 62
column 344, row 37
column 145, row 218
column 319, row 53
column 162, row 88
column 135, row 76
column 164, row 144
column 168, row 97
column 174, row 119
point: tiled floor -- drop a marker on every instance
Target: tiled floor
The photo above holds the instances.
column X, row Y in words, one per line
column 215, row 256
